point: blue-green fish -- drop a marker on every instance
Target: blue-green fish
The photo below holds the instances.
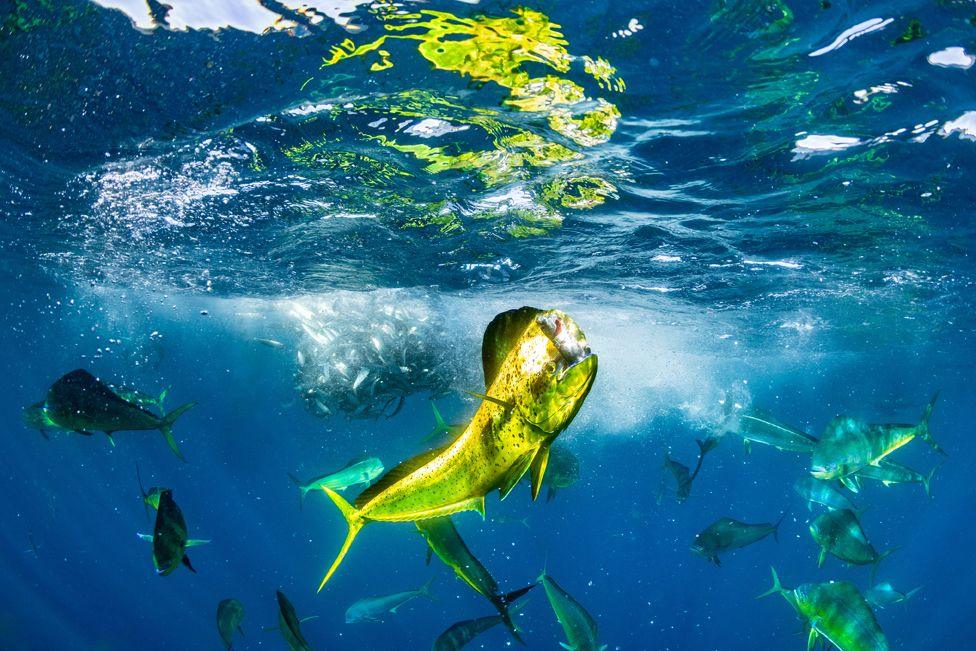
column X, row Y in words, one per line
column 563, row 471
column 445, row 541
column 835, row 611
column 150, row 498
column 358, row 471
column 290, row 625
column 839, row 533
column 683, row 477
column 169, row 539
column 578, row 625
column 80, row 402
column 890, row 472
column 726, row 534
column 883, row 594
column 458, row 635
column 849, row 444
column 372, row 609
column 816, row 491
column 230, row 614
column 757, row 426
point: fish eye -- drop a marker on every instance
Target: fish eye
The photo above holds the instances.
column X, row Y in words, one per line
column 550, row 367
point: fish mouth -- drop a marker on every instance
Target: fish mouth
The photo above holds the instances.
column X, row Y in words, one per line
column 566, row 336
column 820, row 472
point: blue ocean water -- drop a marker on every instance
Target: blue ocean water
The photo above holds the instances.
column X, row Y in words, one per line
column 304, row 215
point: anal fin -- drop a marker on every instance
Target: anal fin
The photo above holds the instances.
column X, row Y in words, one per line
column 538, row 471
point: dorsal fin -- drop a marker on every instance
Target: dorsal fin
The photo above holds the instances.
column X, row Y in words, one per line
column 395, row 474
column 499, row 337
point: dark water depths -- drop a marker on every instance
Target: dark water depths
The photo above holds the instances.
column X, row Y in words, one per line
column 762, row 204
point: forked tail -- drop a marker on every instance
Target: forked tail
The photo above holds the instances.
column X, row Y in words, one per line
column 166, row 428
column 923, row 426
column 777, row 588
column 505, row 608
column 355, row 522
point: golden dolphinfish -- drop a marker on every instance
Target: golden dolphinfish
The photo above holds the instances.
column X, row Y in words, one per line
column 538, row 371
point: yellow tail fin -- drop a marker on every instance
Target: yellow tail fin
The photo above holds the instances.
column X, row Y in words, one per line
column 355, row 522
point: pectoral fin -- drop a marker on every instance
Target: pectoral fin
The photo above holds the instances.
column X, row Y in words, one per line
column 812, row 638
column 501, row 403
column 822, row 557
column 850, row 484
column 145, row 536
column 515, row 473
column 195, row 542
column 538, row 470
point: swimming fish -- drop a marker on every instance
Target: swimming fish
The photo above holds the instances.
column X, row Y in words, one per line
column 79, row 402
column 849, row 444
column 458, row 635
column 230, row 614
column 290, row 625
column 578, row 625
column 270, row 343
column 757, row 426
column 563, row 472
column 35, row 416
column 682, row 476
column 169, row 539
column 443, row 538
column 726, row 534
column 816, row 491
column 883, row 595
column 141, row 398
column 372, row 609
column 538, row 370
column 839, row 533
column 835, row 611
column 150, row 498
column 358, row 471
column 890, row 472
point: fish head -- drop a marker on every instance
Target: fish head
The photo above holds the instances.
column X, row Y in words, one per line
column 699, row 547
column 556, row 369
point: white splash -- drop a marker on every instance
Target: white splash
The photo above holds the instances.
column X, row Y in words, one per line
column 952, row 57
column 868, row 26
column 964, row 125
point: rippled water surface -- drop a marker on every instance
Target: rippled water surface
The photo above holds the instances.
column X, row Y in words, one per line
column 303, row 215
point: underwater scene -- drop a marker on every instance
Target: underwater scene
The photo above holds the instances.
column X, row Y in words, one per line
column 348, row 324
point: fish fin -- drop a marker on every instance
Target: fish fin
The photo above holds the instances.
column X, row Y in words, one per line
column 747, row 445
column 811, row 638
column 440, row 427
column 538, row 470
column 430, row 555
column 302, row 491
column 776, row 527
column 162, row 396
column 910, row 593
column 777, row 588
column 83, row 432
column 186, row 562
column 881, row 557
column 822, row 557
column 145, row 536
column 506, row 609
column 551, row 493
column 927, row 481
column 309, row 618
column 500, row 335
column 355, row 522
column 850, row 484
column 395, row 474
column 707, row 445
column 501, row 403
column 166, row 428
column 923, row 426
column 142, row 489
column 515, row 473
column 810, row 506
column 196, row 542
column 716, row 560
column 567, row 647
column 111, row 439
column 425, row 589
column 240, row 629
